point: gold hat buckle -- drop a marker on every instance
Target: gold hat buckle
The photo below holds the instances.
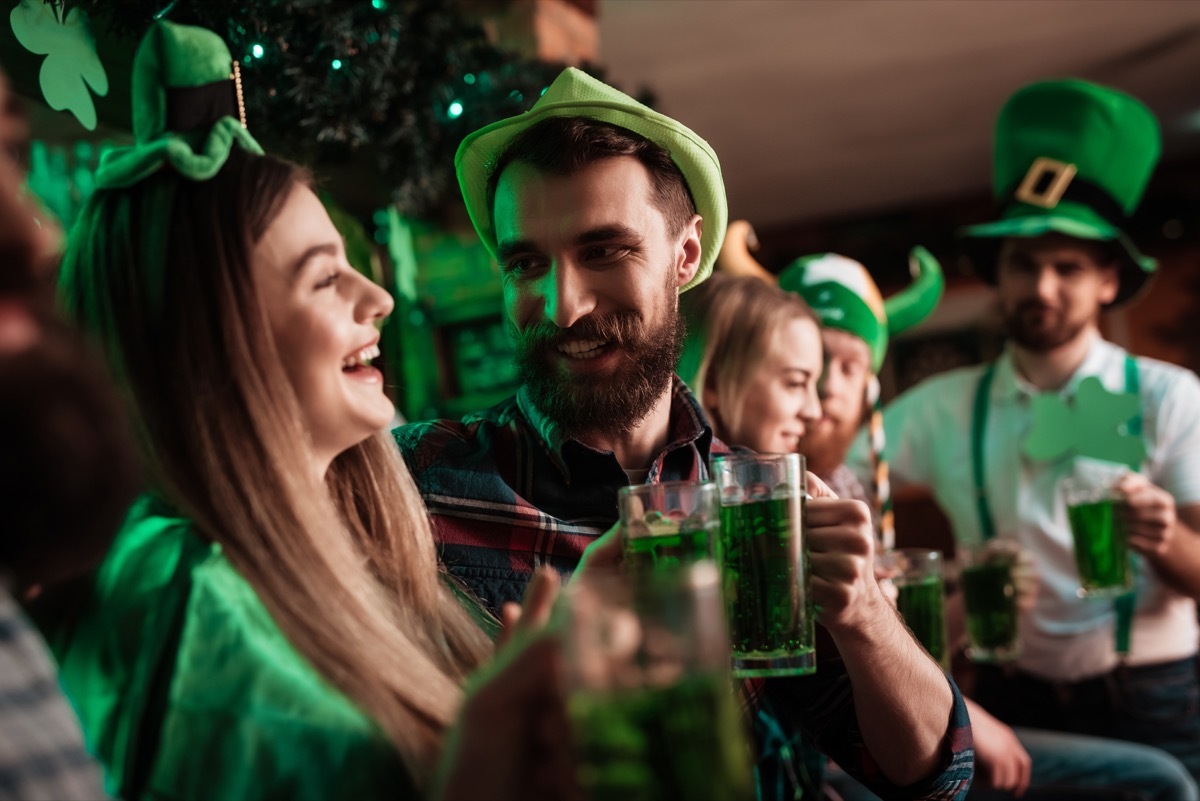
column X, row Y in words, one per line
column 1045, row 182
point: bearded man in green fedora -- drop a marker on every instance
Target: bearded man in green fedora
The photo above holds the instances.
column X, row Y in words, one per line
column 600, row 211
column 996, row 442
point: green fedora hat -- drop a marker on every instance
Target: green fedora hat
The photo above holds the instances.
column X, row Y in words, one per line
column 1073, row 158
column 842, row 293
column 576, row 94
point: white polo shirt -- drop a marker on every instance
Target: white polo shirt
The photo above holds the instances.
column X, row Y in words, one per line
column 1065, row 638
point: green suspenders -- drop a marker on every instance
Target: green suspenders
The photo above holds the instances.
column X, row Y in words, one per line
column 1124, row 604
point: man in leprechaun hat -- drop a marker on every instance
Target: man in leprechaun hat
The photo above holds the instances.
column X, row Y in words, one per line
column 996, row 442
column 600, row 211
column 856, row 325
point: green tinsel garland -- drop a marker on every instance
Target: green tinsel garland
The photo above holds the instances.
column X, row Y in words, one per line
column 394, row 84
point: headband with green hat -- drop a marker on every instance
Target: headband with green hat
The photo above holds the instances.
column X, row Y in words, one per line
column 577, row 94
column 844, row 296
column 1073, row 158
column 188, row 110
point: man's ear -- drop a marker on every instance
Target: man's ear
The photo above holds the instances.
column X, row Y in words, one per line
column 689, row 250
column 1110, row 283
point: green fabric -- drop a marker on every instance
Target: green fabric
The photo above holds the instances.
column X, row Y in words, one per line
column 174, row 56
column 1110, row 138
column 174, row 641
column 576, row 94
column 843, row 294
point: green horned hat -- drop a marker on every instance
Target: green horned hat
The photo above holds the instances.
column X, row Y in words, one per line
column 188, row 110
column 1073, row 158
column 576, row 94
column 845, row 297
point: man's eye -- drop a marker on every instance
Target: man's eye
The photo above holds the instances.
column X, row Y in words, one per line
column 602, row 252
column 518, row 265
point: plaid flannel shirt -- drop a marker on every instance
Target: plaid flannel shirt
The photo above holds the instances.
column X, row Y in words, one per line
column 41, row 744
column 508, row 492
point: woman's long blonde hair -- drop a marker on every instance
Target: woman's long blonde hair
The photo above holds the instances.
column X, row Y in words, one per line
column 160, row 274
column 732, row 322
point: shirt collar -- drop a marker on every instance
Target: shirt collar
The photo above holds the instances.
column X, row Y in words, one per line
column 687, row 424
column 1008, row 386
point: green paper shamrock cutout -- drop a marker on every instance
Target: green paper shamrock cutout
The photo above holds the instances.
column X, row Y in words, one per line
column 1092, row 424
column 71, row 64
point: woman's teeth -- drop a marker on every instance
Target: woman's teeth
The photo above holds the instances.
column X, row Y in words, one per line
column 586, row 349
column 362, row 358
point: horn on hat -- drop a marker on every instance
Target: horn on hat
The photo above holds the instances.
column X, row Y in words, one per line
column 734, row 257
column 913, row 304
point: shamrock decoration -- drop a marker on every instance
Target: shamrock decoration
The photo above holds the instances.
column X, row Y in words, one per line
column 1092, row 424
column 71, row 65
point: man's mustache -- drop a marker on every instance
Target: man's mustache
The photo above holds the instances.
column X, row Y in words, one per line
column 618, row 328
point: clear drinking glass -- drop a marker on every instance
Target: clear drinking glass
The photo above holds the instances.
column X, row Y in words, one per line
column 920, row 596
column 764, row 557
column 990, row 599
column 650, row 696
column 1094, row 509
column 668, row 525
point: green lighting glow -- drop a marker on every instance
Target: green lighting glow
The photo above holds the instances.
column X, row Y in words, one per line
column 544, row 88
column 516, row 95
column 336, row 64
column 257, row 51
column 469, row 79
column 455, row 110
column 379, row 5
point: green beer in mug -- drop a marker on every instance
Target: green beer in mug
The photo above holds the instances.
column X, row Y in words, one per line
column 921, row 597
column 668, row 525
column 651, row 702
column 990, row 599
column 680, row 741
column 765, row 566
column 1098, row 533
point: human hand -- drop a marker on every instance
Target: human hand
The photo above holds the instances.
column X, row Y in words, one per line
column 534, row 610
column 1001, row 762
column 1149, row 515
column 841, row 549
column 511, row 741
column 605, row 553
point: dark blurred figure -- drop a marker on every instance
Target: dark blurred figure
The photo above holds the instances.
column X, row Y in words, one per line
column 67, row 474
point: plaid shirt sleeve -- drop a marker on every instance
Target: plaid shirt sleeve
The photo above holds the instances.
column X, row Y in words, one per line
column 792, row 715
column 42, row 755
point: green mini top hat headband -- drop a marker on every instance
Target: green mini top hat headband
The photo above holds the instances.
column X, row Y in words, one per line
column 577, row 94
column 183, row 80
column 1073, row 158
column 845, row 297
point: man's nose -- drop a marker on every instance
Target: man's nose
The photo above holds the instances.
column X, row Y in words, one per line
column 568, row 295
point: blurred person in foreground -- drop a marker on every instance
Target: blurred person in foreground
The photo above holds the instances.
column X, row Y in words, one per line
column 1072, row 160
column 67, row 474
column 601, row 212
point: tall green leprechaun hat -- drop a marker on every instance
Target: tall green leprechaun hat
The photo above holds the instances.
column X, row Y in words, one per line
column 577, row 94
column 1073, row 158
column 188, row 110
column 844, row 296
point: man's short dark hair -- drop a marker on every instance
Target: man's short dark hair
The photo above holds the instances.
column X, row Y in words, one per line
column 566, row 145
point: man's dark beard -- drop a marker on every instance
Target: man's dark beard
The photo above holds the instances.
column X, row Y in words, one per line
column 827, row 450
column 1039, row 340
column 582, row 404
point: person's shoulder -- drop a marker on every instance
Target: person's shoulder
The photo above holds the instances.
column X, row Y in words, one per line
column 1161, row 377
column 938, row 394
column 449, row 436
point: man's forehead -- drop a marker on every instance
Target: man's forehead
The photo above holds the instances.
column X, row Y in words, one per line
column 1058, row 246
column 845, row 345
column 601, row 194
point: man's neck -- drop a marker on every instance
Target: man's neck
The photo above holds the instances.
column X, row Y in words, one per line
column 1050, row 370
column 636, row 449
